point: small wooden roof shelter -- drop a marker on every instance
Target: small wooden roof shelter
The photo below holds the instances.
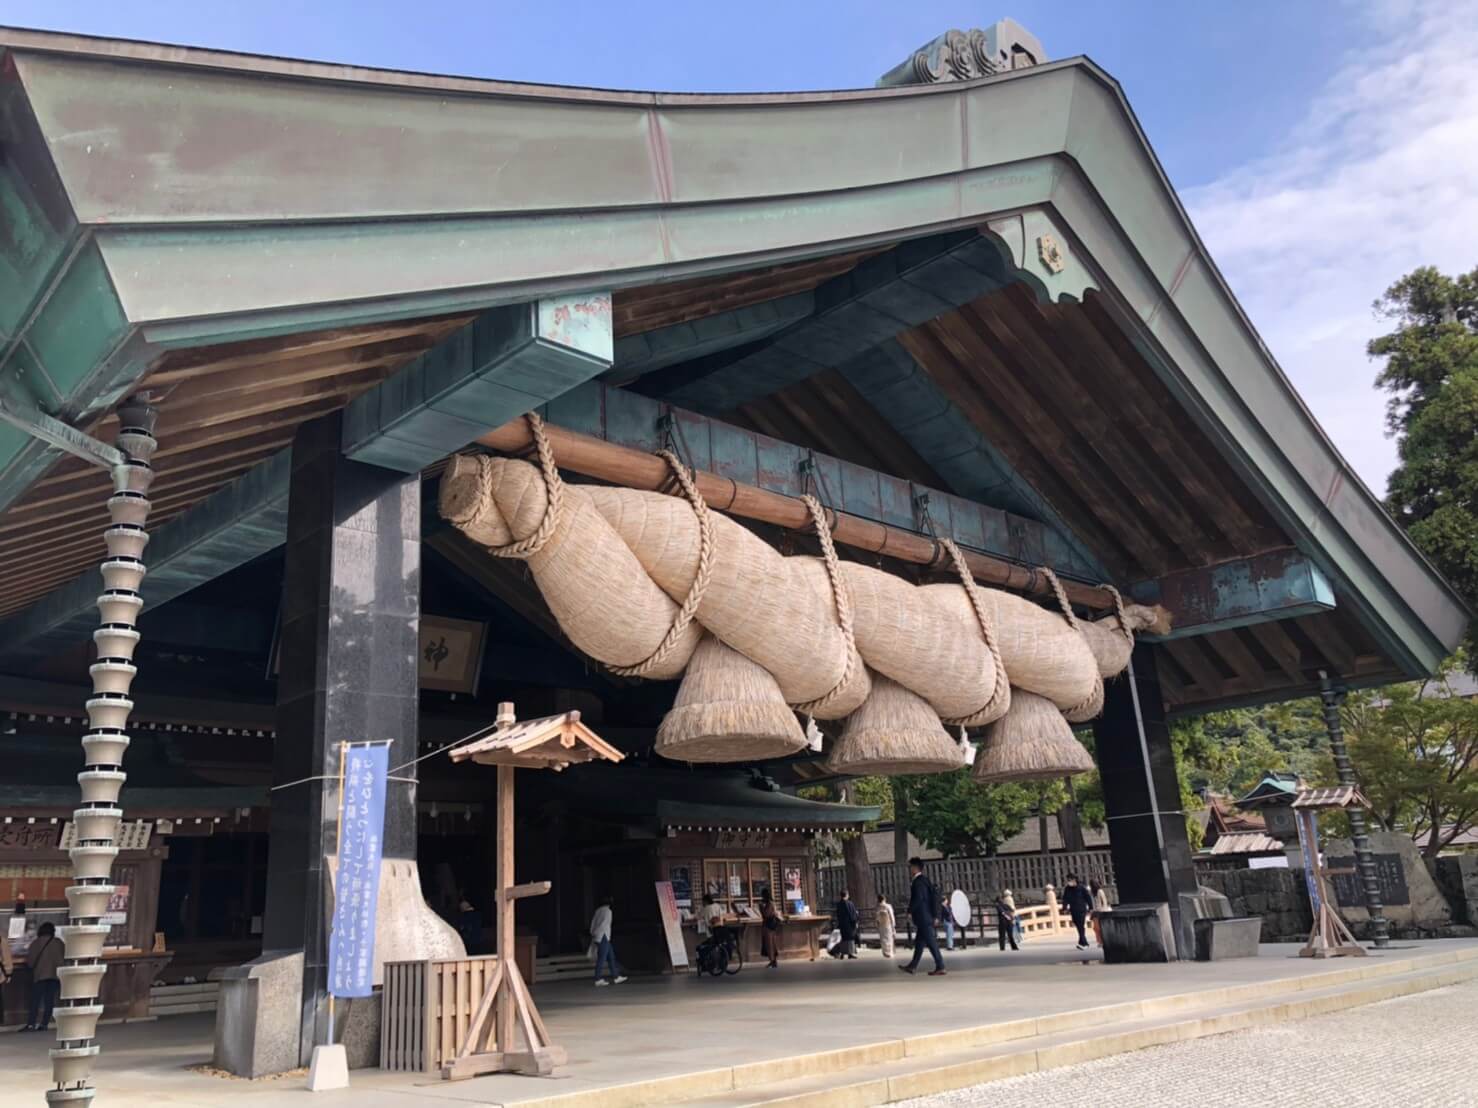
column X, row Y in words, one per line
column 552, row 742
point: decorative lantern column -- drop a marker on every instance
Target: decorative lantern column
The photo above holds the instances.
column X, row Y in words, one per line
column 99, row 818
column 1332, row 697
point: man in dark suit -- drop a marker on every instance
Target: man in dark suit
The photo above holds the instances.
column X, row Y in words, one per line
column 923, row 907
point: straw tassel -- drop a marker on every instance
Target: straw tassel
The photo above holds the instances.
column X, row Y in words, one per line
column 1031, row 742
column 728, row 709
column 894, row 732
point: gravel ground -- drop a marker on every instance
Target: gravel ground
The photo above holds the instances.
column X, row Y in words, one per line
column 1413, row 1052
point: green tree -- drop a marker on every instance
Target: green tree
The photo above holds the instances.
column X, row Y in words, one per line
column 957, row 815
column 1415, row 748
column 1431, row 373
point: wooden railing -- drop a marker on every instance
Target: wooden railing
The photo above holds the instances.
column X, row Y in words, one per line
column 427, row 1008
column 1027, row 876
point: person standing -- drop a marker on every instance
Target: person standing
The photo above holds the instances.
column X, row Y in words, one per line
column 923, row 909
column 887, row 925
column 1016, row 916
column 469, row 927
column 849, row 924
column 1100, row 906
column 44, row 957
column 1078, row 902
column 770, row 931
column 1006, row 920
column 605, row 952
column 947, row 916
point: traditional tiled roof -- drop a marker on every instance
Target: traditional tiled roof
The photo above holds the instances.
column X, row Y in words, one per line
column 1246, row 842
column 1337, row 796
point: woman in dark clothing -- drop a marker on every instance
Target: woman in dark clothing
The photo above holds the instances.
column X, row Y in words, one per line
column 770, row 932
column 1079, row 902
column 848, row 923
column 44, row 956
column 469, row 927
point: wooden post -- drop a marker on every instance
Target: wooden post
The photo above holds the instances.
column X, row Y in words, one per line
column 505, row 902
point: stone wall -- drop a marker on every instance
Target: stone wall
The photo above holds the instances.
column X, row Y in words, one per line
column 1457, row 876
column 1277, row 895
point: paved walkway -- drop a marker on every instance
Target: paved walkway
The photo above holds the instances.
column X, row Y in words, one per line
column 1415, row 1052
column 663, row 1026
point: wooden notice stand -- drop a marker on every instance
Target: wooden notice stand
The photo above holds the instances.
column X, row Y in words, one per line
column 507, row 1008
column 1330, row 936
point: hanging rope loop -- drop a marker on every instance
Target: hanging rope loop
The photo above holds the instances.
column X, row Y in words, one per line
column 1124, row 628
column 554, row 489
column 683, row 479
column 840, row 597
column 1000, row 697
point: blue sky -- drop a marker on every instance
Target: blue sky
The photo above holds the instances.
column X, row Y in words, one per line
column 1323, row 147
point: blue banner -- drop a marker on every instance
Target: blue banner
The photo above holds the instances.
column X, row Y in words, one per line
column 351, row 942
column 1307, row 821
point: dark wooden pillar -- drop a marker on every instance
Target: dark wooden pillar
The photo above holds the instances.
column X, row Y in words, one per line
column 348, row 643
column 1141, row 792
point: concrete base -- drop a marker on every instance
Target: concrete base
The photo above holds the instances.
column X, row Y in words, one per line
column 359, row 1031
column 258, row 1013
column 329, row 1069
column 1049, row 1005
column 1220, row 939
column 406, row 929
column 1138, row 933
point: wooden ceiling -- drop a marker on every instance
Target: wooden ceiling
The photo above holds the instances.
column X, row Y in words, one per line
column 1246, row 662
column 222, row 409
column 827, row 413
column 1061, row 392
column 646, row 309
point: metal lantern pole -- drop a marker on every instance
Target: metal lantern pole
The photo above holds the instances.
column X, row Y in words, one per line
column 98, row 821
column 1332, row 696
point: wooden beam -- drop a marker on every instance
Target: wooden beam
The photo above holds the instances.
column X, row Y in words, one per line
column 622, row 465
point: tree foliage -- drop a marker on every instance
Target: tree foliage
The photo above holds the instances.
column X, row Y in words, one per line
column 1431, row 373
column 1415, row 750
column 959, row 816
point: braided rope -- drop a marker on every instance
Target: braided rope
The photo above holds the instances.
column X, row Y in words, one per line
column 1119, row 612
column 689, row 608
column 843, row 605
column 1085, row 709
column 1061, row 594
column 1000, row 697
column 554, row 488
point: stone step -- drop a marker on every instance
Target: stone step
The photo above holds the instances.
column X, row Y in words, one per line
column 898, row 1069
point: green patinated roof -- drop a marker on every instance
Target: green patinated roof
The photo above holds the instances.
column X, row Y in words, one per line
column 470, row 194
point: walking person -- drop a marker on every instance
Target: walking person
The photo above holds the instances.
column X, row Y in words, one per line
column 1100, row 906
column 887, row 926
column 1006, row 920
column 849, row 924
column 605, row 952
column 1078, row 902
column 44, row 957
column 923, row 909
column 770, row 932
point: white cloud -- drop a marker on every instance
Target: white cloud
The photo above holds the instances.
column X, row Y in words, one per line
column 1381, row 176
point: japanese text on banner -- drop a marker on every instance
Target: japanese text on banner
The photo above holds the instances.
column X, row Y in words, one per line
column 351, row 944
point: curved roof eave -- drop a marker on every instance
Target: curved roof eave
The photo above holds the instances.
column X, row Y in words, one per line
column 230, row 195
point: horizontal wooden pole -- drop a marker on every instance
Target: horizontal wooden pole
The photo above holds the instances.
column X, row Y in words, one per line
column 621, row 465
column 528, row 888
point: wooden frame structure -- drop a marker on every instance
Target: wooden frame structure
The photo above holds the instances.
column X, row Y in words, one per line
column 1330, row 936
column 506, row 1008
